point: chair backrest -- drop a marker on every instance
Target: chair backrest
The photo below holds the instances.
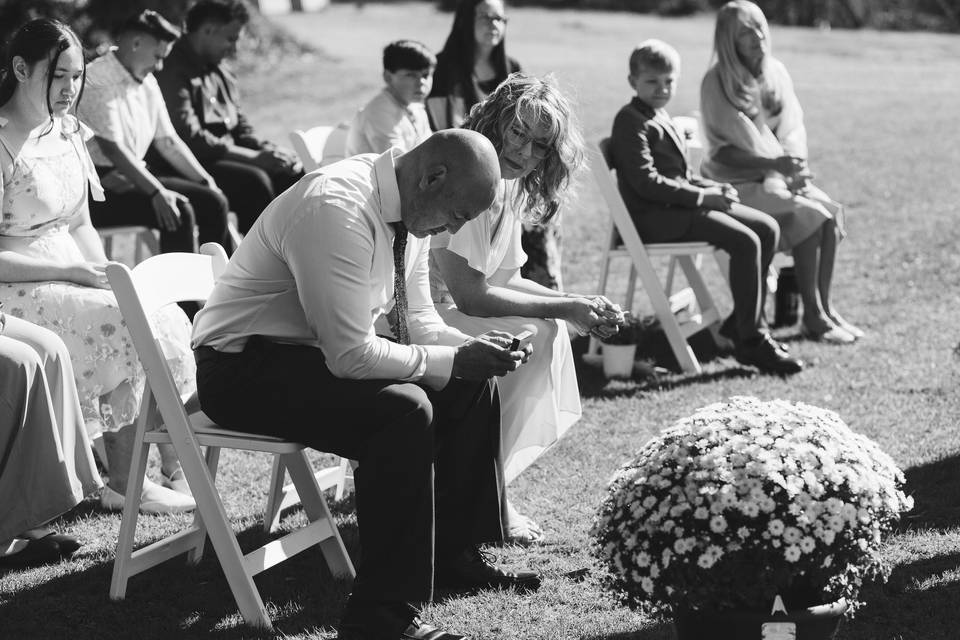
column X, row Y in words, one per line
column 603, row 173
column 320, row 145
column 154, row 283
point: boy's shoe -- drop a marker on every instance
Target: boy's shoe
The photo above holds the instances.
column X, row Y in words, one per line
column 764, row 353
column 388, row 621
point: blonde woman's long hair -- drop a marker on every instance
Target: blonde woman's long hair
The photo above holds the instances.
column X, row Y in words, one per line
column 522, row 96
column 746, row 92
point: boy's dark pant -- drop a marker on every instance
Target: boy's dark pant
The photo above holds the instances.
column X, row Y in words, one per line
column 206, row 210
column 249, row 188
column 400, row 433
column 750, row 237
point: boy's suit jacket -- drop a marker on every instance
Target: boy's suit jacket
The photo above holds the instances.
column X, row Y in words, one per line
column 653, row 176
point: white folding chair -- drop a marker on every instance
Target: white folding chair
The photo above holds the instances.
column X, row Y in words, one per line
column 154, row 283
column 665, row 303
column 145, row 242
column 320, row 145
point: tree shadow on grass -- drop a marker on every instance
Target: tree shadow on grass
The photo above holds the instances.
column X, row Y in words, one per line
column 912, row 604
column 657, row 631
column 175, row 600
column 935, row 487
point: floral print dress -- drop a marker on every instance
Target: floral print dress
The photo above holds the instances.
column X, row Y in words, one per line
column 39, row 198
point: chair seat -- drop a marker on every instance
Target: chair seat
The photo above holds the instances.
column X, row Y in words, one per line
column 209, row 434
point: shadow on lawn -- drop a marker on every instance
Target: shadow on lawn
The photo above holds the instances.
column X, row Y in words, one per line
column 913, row 604
column 935, row 487
column 175, row 600
column 659, row 631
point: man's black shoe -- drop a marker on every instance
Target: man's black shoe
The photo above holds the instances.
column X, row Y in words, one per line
column 474, row 569
column 765, row 354
column 388, row 621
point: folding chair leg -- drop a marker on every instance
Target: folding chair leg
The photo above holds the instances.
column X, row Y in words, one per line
column 316, row 508
column 196, row 553
column 342, row 480
column 631, row 288
column 222, row 537
column 704, row 300
column 271, row 513
column 128, row 522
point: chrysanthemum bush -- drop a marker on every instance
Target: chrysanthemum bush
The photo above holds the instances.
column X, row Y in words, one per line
column 743, row 501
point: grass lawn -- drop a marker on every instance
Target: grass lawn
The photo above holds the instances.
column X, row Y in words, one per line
column 881, row 111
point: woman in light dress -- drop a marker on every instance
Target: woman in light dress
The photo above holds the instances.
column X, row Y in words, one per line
column 51, row 259
column 476, row 281
column 756, row 140
column 46, row 467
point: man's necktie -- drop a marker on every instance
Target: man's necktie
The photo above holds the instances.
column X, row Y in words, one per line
column 400, row 282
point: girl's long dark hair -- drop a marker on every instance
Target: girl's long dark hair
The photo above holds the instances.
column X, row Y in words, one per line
column 35, row 41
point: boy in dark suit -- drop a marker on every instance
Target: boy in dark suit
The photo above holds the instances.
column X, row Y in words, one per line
column 668, row 203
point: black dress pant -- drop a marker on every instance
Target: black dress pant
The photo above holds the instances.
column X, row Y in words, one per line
column 206, row 211
column 427, row 483
column 249, row 188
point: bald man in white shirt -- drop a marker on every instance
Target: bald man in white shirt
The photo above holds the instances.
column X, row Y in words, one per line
column 290, row 344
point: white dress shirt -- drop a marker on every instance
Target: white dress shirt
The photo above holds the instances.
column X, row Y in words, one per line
column 385, row 123
column 122, row 109
column 317, row 269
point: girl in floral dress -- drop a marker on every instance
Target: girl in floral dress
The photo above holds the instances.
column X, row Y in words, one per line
column 51, row 259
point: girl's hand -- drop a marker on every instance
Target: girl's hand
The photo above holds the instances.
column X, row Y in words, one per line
column 88, row 274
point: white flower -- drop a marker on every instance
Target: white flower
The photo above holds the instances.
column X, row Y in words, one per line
column 791, row 535
column 706, row 560
column 775, row 527
column 647, row 585
column 718, row 524
column 701, row 513
column 643, row 559
column 808, row 544
column 792, row 553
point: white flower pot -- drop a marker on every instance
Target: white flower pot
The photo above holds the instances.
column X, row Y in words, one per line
column 618, row 360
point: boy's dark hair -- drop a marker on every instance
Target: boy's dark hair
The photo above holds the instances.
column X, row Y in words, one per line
column 655, row 55
column 408, row 54
column 217, row 11
column 152, row 24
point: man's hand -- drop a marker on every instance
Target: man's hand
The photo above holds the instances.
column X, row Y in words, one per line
column 271, row 161
column 488, row 355
column 165, row 205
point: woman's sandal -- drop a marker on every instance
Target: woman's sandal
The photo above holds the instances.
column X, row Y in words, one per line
column 37, row 551
column 523, row 531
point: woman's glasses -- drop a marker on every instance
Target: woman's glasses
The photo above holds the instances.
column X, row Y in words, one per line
column 490, row 18
column 517, row 136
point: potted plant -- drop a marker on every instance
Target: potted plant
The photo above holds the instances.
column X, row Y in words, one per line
column 745, row 507
column 620, row 349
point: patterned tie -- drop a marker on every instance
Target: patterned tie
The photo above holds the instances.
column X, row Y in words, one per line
column 400, row 283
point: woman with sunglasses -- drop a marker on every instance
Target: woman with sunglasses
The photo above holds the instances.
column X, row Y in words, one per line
column 476, row 281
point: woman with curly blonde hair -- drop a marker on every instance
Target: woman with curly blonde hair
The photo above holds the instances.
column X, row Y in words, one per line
column 476, row 281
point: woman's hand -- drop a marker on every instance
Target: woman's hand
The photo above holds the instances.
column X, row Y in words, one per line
column 165, row 204
column 588, row 314
column 88, row 274
column 789, row 166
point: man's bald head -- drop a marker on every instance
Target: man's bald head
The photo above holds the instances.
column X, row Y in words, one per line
column 451, row 177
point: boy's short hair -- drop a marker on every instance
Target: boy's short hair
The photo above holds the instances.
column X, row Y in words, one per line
column 152, row 24
column 408, row 54
column 655, row 55
column 216, row 11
